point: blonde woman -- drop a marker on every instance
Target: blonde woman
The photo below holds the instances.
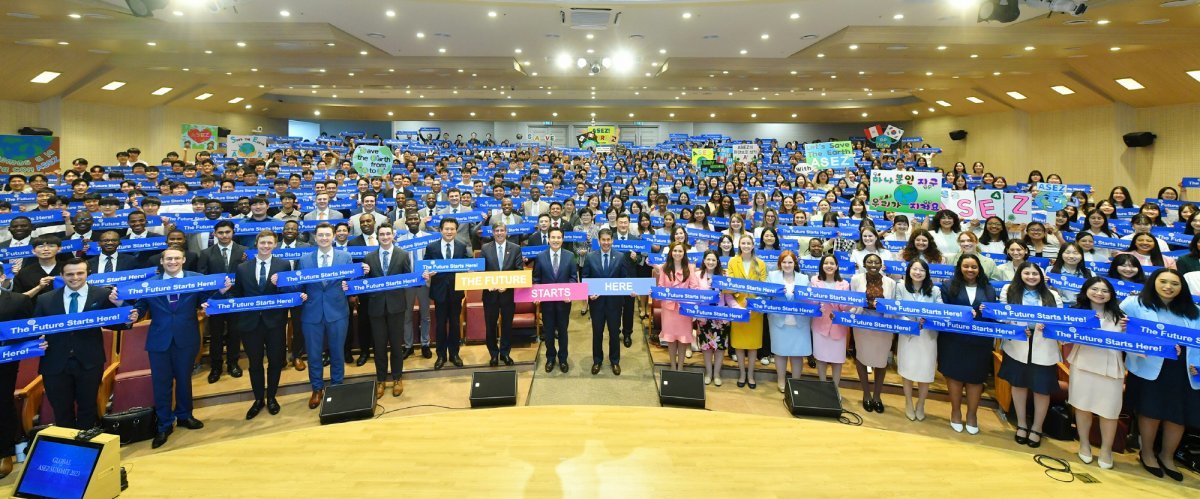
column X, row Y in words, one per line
column 747, row 337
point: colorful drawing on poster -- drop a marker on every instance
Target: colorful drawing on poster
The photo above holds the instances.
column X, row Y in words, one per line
column 598, row 135
column 745, row 153
column 701, row 154
column 29, row 154
column 837, row 155
column 198, row 137
column 373, row 161
column 247, row 146
column 905, row 192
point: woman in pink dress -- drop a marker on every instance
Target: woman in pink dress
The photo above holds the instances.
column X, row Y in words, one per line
column 676, row 272
column 829, row 339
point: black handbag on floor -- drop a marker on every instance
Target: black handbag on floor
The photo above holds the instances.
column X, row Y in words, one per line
column 132, row 425
column 1059, row 425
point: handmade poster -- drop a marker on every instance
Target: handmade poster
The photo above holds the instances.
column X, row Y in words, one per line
column 905, row 192
column 699, row 154
column 1050, row 197
column 745, row 153
column 961, row 203
column 28, row 154
column 247, row 146
column 372, row 161
column 198, row 137
column 837, row 155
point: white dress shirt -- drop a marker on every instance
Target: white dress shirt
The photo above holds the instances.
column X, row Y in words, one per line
column 83, row 292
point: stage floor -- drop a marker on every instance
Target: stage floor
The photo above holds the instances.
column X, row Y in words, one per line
column 597, row 451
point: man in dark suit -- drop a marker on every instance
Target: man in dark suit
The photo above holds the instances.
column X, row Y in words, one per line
column 606, row 310
column 542, row 236
column 175, row 237
column 388, row 310
column 291, row 239
column 498, row 307
column 74, row 361
column 366, row 223
column 36, row 276
column 555, row 265
column 325, row 314
column 172, row 342
column 13, row 306
column 261, row 331
column 556, row 217
column 222, row 258
column 631, row 259
column 109, row 260
column 441, row 290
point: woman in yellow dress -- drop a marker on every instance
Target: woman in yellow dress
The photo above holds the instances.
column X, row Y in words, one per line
column 747, row 337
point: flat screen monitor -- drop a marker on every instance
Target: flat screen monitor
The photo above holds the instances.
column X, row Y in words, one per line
column 58, row 468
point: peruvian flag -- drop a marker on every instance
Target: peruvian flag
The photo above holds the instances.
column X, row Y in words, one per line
column 874, row 131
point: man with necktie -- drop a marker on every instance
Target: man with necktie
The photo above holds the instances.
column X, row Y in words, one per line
column 441, row 290
column 368, row 237
column 109, row 260
column 74, row 360
column 291, row 240
column 632, row 260
column 223, row 344
column 553, row 266
column 172, row 343
column 261, row 331
column 606, row 310
column 418, row 295
column 498, row 307
column 325, row 314
column 13, row 306
column 389, row 310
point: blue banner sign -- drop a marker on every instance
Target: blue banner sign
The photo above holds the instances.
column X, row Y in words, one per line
column 252, row 303
column 877, row 323
column 385, row 283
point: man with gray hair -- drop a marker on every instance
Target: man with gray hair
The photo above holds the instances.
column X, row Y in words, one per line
column 499, row 255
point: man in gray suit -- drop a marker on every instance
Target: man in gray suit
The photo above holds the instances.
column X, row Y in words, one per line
column 420, row 294
column 534, row 206
column 498, row 306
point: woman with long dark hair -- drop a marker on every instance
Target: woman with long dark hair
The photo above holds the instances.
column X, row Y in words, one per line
column 1029, row 365
column 1163, row 392
column 676, row 272
column 713, row 334
column 921, row 246
column 1097, row 374
column 966, row 360
column 1126, row 267
column 829, row 339
column 1145, row 248
column 916, row 355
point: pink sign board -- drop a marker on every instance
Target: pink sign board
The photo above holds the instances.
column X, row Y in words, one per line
column 551, row 292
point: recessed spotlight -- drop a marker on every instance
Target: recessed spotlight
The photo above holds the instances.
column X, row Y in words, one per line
column 284, row 13
column 362, row 52
column 186, row 69
column 472, row 113
column 1114, row 49
column 45, row 77
column 853, row 47
column 162, row 91
column 517, row 51
column 590, row 36
column 152, row 44
column 974, row 100
column 864, row 115
column 390, row 13
column 753, row 115
column 996, row 73
column 555, row 114
column 513, row 114
column 672, row 115
column 431, row 114
column 74, row 16
column 492, row 13
column 321, row 70
column 743, row 52
column 929, row 73
column 420, row 35
column 1016, row 95
column 241, row 44
column 820, row 55
column 630, row 115
column 249, row 106
column 236, row 100
column 914, row 111
column 941, row 47
column 391, row 113
column 113, row 85
column 316, row 113
column 794, row 16
column 442, row 50
column 204, row 96
column 1102, row 22
column 1130, row 84
column 898, row 17
column 794, row 115
column 943, row 103
column 1029, row 48
column 330, row 44
column 974, row 56
column 208, row 52
column 687, row 15
column 662, row 51
column 712, row 115
column 765, row 36
column 1062, row 90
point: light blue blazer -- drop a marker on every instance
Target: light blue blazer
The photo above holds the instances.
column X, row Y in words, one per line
column 1144, row 366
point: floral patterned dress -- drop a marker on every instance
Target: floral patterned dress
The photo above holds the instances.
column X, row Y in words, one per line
column 714, row 334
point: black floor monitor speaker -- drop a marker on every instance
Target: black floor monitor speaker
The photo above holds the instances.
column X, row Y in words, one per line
column 958, row 135
column 32, row 130
column 1139, row 139
column 493, row 388
column 681, row 388
column 348, row 402
column 809, row 397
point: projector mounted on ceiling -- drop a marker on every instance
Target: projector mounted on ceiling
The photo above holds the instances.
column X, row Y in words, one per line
column 1007, row 11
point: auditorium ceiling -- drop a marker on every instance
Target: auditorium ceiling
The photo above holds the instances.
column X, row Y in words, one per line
column 722, row 60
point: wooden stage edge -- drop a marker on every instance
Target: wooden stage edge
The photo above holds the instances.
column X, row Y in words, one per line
column 603, row 451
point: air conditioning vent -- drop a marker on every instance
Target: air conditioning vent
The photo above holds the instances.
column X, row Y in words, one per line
column 591, row 19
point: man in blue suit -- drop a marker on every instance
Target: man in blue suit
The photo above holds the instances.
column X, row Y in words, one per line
column 325, row 314
column 172, row 343
column 555, row 265
column 606, row 310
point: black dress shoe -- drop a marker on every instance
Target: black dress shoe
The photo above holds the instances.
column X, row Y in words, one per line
column 214, row 376
column 595, row 369
column 508, row 361
column 426, row 352
column 273, row 406
column 628, row 342
column 325, row 360
column 868, row 405
column 439, row 363
column 616, row 368
column 495, row 361
column 362, row 361
column 348, row 358
column 191, row 424
column 1172, row 474
column 160, row 438
column 878, row 406
column 256, row 408
column 563, row 366
column 1158, row 472
column 408, row 352
column 456, row 360
column 235, row 371
column 549, row 366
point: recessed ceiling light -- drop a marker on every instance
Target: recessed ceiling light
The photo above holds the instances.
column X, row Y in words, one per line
column 45, row 77
column 362, row 52
column 996, row 73
column 241, row 44
column 687, row 15
column 113, row 85
column 794, row 16
column 794, row 115
column 492, row 13
column 943, row 103
column 853, row 47
column 177, row 12
column 236, row 100
column 517, row 51
column 1062, row 90
column 1016, row 95
column 743, row 51
column 1029, row 48
column 1195, row 74
column 630, row 115
column 316, row 113
column 442, row 50
column 152, row 44
column 914, row 111
column 284, row 13
column 975, row 100
column 322, row 70
column 64, row 43
column 555, row 114
column 590, row 36
column 513, row 114
column 1102, row 22
column 864, row 115
column 929, row 73
column 712, row 115
column 186, row 69
column 765, row 36
column 330, row 44
column 255, row 70
column 209, row 52
column 662, row 51
column 820, row 55
column 753, row 115
column 431, row 114
column 898, row 17
column 420, row 35
column 162, row 91
column 1130, row 84
column 249, row 106
column 974, row 56
column 391, row 113
column 932, row 109
column 672, row 115
column 390, row 13
column 74, row 16
column 1114, row 49
column 941, row 47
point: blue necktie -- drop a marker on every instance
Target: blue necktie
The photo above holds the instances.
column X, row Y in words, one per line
column 262, row 274
column 606, row 263
column 74, row 307
column 387, row 260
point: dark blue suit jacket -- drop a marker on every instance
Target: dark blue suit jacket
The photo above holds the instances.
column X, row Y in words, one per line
column 441, row 286
column 178, row 326
column 543, row 270
column 87, row 344
column 618, row 268
column 246, row 285
column 326, row 301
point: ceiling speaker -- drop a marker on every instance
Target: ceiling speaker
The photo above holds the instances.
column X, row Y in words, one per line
column 958, row 135
column 1139, row 139
column 222, row 132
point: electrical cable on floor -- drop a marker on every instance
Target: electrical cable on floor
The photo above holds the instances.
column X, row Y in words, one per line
column 850, row 418
column 1057, row 466
column 389, row 411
